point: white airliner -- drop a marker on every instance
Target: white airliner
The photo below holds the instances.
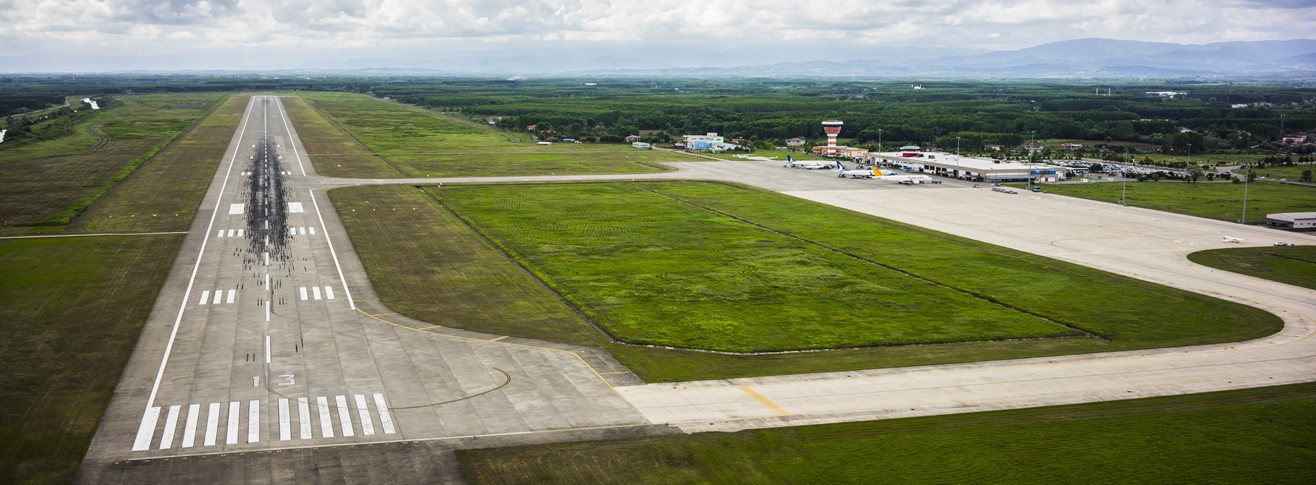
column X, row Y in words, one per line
column 1231, row 239
column 862, row 173
column 901, row 179
column 806, row 164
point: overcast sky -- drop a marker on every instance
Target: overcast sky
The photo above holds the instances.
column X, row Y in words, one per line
column 199, row 34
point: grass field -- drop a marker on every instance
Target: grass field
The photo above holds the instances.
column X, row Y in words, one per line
column 1293, row 173
column 163, row 194
column 420, row 143
column 1221, row 201
column 51, row 182
column 73, row 309
column 1294, row 265
column 1265, row 435
column 1144, row 318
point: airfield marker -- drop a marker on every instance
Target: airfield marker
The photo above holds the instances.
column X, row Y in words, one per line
column 233, row 408
column 212, row 424
column 344, row 418
column 326, row 423
column 189, row 430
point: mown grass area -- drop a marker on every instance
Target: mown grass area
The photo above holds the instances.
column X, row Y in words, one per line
column 654, row 270
column 1221, row 201
column 1265, row 435
column 1294, row 265
column 1293, row 173
column 422, row 143
column 439, row 277
column 73, row 310
column 51, row 182
column 424, row 263
column 164, row 193
column 717, row 267
column 331, row 147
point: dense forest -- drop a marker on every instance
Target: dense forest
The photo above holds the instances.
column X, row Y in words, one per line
column 977, row 113
column 1208, row 117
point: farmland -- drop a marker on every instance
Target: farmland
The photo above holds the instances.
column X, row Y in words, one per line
column 1261, row 435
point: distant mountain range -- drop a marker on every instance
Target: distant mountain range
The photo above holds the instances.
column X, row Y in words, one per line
column 1072, row 59
column 1081, row 58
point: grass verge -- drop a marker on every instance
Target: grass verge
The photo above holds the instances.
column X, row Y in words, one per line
column 73, row 310
column 1265, row 435
column 1294, row 265
column 420, row 143
column 164, row 193
column 1220, row 201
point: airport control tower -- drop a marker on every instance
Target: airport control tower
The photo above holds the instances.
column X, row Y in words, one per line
column 832, row 128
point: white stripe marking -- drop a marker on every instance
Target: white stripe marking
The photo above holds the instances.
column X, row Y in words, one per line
column 147, row 429
column 316, row 290
column 189, row 430
column 328, row 240
column 312, row 231
column 326, row 424
column 235, row 209
column 218, row 294
column 285, row 433
column 171, row 424
column 232, row 434
column 329, row 292
column 220, row 233
column 212, row 424
column 253, row 422
column 344, row 419
column 231, row 295
column 367, row 426
column 267, row 350
column 301, row 230
column 191, row 281
column 303, row 292
column 303, row 418
column 385, row 419
column 230, row 233
column 295, row 208
column 205, row 296
column 239, row 232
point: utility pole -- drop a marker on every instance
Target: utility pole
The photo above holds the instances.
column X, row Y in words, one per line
column 1125, row 177
column 1245, row 181
column 879, row 140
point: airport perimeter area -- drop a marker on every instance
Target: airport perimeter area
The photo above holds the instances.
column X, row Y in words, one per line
column 287, row 380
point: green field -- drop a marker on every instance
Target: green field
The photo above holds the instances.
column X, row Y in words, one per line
column 1221, row 201
column 448, row 259
column 1294, row 265
column 415, row 142
column 164, row 193
column 1265, row 435
column 51, row 182
column 1293, row 173
column 73, row 310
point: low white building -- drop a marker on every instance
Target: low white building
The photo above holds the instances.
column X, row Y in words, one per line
column 955, row 166
column 1292, row 220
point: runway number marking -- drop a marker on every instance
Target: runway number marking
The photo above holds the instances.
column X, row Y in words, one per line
column 288, row 380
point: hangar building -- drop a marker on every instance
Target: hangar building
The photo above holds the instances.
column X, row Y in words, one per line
column 1292, row 220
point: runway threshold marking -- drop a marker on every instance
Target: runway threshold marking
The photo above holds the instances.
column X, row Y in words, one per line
column 764, row 401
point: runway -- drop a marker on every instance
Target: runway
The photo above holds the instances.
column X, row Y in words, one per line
column 268, row 337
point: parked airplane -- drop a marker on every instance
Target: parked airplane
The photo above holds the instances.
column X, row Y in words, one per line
column 902, row 179
column 862, row 173
column 1231, row 239
column 806, row 164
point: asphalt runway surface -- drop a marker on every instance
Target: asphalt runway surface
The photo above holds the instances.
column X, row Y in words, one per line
column 290, row 370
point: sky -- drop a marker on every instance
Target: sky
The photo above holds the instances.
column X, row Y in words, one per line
column 96, row 35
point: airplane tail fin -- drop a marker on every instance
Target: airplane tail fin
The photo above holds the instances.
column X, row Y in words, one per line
column 877, row 173
column 839, row 165
column 789, row 159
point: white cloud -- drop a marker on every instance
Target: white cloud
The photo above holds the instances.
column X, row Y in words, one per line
column 802, row 25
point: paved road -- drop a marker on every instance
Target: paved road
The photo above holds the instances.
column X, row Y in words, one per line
column 267, row 336
column 244, row 356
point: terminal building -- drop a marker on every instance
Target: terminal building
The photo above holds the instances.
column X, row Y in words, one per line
column 914, row 160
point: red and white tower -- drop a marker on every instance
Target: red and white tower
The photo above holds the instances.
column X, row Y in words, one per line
column 832, row 128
